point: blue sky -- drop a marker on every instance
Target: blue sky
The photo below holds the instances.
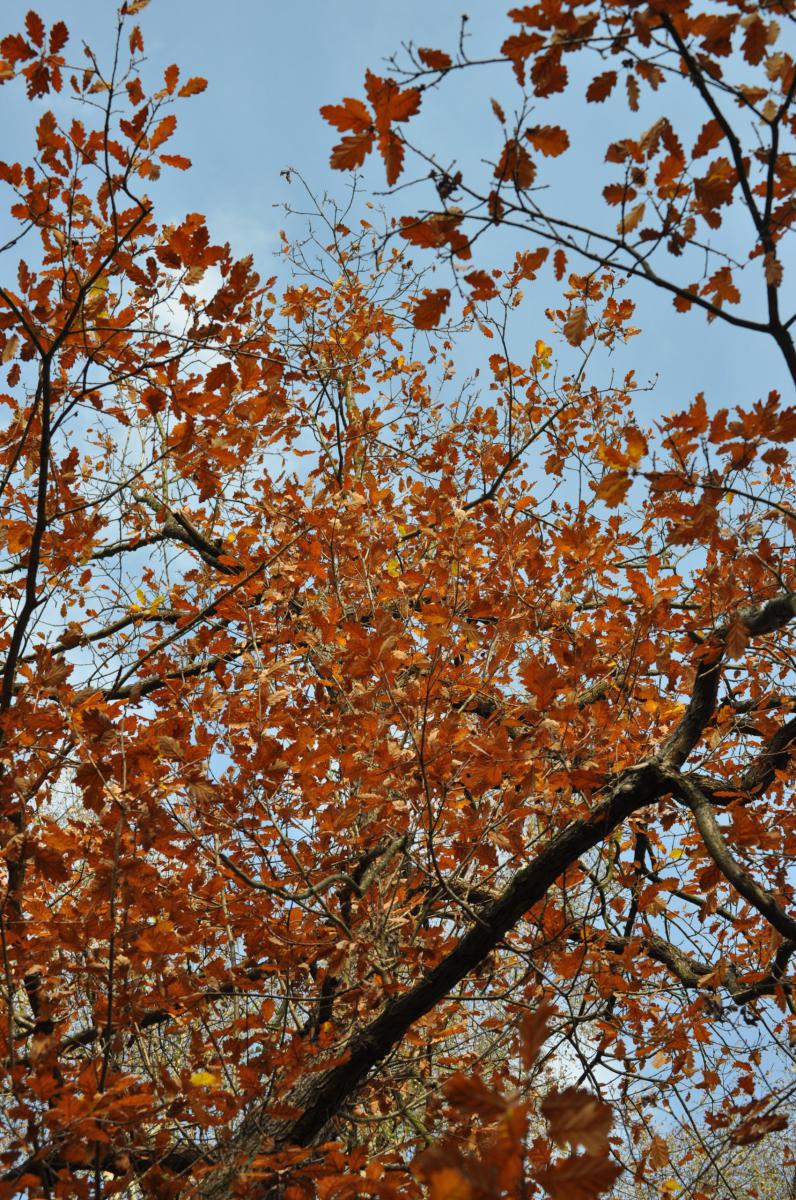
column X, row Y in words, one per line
column 272, row 63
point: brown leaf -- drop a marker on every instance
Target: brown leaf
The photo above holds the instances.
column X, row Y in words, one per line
column 428, row 312
column 754, row 1129
column 351, row 151
column 550, row 140
column 391, row 148
column 482, row 284
column 534, row 1029
column 549, row 74
column 516, row 165
column 577, row 1118
column 436, row 60
column 709, row 137
column 601, row 87
column 576, row 326
column 469, row 1094
column 579, row 1177
column 658, row 1153
column 736, row 639
column 35, row 28
column 773, row 269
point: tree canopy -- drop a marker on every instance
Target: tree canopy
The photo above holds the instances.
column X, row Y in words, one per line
column 396, row 756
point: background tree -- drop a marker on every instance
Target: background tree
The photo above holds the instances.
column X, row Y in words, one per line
column 350, row 715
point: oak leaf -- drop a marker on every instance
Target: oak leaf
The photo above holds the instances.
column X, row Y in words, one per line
column 550, row 140
column 352, row 114
column 630, row 220
column 427, row 312
column 516, row 165
column 577, row 1118
column 601, row 87
column 579, row 1177
column 436, row 60
column 351, row 151
column 576, row 326
column 193, row 86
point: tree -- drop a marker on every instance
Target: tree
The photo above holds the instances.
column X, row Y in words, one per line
column 362, row 734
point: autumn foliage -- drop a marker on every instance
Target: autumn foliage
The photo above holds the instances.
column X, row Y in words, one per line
column 395, row 769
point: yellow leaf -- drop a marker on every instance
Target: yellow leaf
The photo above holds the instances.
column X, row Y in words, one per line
column 204, row 1079
column 10, row 349
column 543, row 351
column 636, row 444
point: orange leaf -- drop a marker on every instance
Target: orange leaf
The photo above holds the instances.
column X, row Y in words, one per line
column 613, row 487
column 518, row 48
column 170, row 77
column 528, row 262
column 389, row 102
column 482, row 284
column 404, row 105
column 351, row 151
column 550, row 140
column 175, row 160
column 351, row 114
column 631, row 219
column 559, row 263
column 682, row 303
column 636, row 444
column 709, row 137
column 448, row 1183
column 437, row 60
column 721, row 287
column 427, row 312
column 193, row 86
column 163, row 131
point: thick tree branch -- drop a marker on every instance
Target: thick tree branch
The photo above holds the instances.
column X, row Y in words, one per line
column 718, row 850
